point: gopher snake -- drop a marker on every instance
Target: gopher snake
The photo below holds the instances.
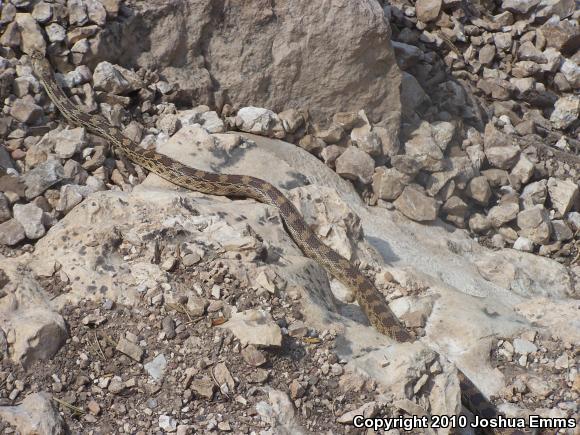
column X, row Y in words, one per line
column 369, row 298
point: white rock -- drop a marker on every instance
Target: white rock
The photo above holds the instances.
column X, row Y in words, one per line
column 30, row 217
column 255, row 327
column 156, row 367
column 563, row 194
column 566, row 111
column 108, row 78
column 571, row 70
column 212, row 122
column 257, row 120
column 167, row 423
column 523, row 346
column 69, row 142
column 524, row 244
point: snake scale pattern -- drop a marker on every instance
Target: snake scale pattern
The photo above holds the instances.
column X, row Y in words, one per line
column 367, row 295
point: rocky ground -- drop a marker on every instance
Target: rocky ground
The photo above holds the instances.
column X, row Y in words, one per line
column 482, row 133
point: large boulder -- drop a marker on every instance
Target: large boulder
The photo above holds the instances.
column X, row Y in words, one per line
column 277, row 55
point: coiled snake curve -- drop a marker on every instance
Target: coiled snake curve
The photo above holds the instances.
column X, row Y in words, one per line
column 368, row 297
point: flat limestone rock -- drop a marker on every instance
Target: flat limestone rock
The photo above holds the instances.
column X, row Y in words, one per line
column 439, row 264
column 255, row 327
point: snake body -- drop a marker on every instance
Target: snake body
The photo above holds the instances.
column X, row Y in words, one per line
column 367, row 295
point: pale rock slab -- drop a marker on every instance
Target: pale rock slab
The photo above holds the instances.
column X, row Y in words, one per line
column 255, row 327
column 563, row 194
column 37, row 414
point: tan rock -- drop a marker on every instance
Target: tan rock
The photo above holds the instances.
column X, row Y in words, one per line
column 255, row 327
column 355, row 164
column 535, row 224
column 478, row 189
column 388, row 183
column 479, row 223
column 417, row 206
column 31, row 34
column 503, row 213
column 563, row 194
column 428, row 10
column 328, row 40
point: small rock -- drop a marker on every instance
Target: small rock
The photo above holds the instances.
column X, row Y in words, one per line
column 523, row 346
column 566, row 111
column 389, row 183
column 503, row 213
column 258, row 121
column 156, row 367
column 534, row 194
column 130, row 349
column 417, row 206
column 524, row 244
column 561, row 231
column 563, row 194
column 522, row 171
column 427, row 10
column 42, row 177
column 562, row 362
column 11, row 232
column 116, row 386
column 204, row 387
column 479, row 223
column 26, row 111
column 478, row 189
column 331, row 135
column 297, row 389
column 535, row 224
column 312, row 144
column 527, row 51
column 108, row 78
column 37, row 414
column 538, row 387
column 30, row 217
column 347, row 120
column 168, row 326
column 31, row 33
column 253, row 356
column 291, row 120
column 93, row 407
column 167, row 423
column 70, row 142
column 255, row 327
column 355, row 164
